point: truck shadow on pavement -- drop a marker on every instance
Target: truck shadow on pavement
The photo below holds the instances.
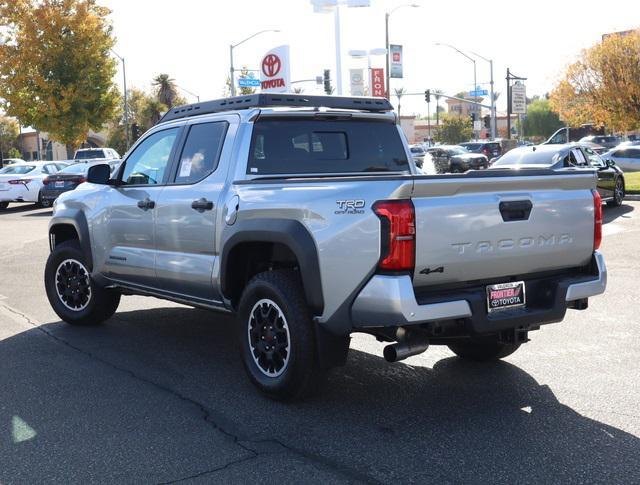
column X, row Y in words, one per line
column 610, row 214
column 160, row 394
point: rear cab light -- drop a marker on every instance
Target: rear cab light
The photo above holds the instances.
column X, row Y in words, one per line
column 597, row 219
column 398, row 235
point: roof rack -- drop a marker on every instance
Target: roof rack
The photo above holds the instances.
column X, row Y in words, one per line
column 269, row 100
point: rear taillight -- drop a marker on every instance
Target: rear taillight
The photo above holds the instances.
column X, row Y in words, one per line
column 45, row 181
column 597, row 219
column 398, row 226
column 20, row 182
column 79, row 180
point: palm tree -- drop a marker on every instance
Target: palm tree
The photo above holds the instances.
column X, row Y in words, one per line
column 399, row 93
column 166, row 89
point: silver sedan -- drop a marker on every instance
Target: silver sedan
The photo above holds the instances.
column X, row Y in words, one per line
column 625, row 157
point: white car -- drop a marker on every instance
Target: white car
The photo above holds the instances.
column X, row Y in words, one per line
column 22, row 182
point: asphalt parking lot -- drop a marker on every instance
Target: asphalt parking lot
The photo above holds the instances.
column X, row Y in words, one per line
column 158, row 394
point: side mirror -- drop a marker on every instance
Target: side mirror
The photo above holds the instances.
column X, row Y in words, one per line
column 99, row 174
column 610, row 163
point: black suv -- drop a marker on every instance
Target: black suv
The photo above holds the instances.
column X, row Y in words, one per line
column 490, row 149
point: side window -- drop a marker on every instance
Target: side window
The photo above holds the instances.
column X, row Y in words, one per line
column 148, row 162
column 593, row 158
column 49, row 169
column 633, row 153
column 577, row 158
column 201, row 152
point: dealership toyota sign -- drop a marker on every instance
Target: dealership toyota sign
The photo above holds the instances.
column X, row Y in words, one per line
column 274, row 70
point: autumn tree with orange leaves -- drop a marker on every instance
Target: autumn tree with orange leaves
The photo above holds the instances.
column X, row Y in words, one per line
column 603, row 86
column 56, row 71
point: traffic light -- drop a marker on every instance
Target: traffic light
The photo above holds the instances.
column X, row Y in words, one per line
column 427, row 95
column 487, row 121
column 327, row 81
column 135, row 131
column 473, row 117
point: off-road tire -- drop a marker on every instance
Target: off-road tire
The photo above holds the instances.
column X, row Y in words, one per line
column 301, row 374
column 481, row 350
column 100, row 304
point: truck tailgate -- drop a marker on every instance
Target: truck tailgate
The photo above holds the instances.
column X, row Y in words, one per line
column 492, row 226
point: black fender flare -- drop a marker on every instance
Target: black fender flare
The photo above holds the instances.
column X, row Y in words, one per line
column 77, row 219
column 289, row 232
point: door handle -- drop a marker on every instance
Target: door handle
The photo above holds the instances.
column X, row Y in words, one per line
column 146, row 204
column 202, row 205
column 516, row 210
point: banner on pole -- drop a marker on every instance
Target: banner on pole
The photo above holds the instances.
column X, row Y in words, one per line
column 396, row 61
column 377, row 82
column 356, row 77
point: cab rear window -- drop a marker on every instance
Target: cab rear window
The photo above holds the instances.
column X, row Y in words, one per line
column 314, row 146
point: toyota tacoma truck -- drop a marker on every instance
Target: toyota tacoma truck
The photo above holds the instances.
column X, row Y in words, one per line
column 305, row 218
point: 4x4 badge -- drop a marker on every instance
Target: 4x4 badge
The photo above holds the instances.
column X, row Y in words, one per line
column 439, row 269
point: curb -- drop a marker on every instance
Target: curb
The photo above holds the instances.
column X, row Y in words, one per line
column 632, row 196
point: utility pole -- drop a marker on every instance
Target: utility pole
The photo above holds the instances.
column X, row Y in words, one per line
column 126, row 105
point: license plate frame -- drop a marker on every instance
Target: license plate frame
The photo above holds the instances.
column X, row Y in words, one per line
column 59, row 184
column 506, row 296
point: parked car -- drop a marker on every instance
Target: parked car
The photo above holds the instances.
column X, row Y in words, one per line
column 94, row 154
column 104, row 155
column 66, row 179
column 625, row 157
column 607, row 141
column 456, row 159
column 254, row 208
column 489, row 149
column 417, row 153
column 571, row 156
column 11, row 161
column 22, row 182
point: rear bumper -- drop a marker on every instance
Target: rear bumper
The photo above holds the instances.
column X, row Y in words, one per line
column 389, row 301
column 19, row 193
column 52, row 194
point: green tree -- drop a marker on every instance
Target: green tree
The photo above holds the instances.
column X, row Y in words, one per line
column 541, row 120
column 454, row 129
column 9, row 134
column 56, row 72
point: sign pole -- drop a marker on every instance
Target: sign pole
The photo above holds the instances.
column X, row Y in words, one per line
column 508, row 104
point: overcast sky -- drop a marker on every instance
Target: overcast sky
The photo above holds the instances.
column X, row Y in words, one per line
column 189, row 40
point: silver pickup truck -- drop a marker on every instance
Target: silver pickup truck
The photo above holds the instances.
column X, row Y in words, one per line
column 305, row 217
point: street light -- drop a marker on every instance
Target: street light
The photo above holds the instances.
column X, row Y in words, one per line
column 386, row 33
column 361, row 54
column 233, row 46
column 475, row 98
column 126, row 106
column 324, row 6
column 493, row 101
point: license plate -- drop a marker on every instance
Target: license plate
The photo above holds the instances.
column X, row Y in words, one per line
column 505, row 295
column 59, row 184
